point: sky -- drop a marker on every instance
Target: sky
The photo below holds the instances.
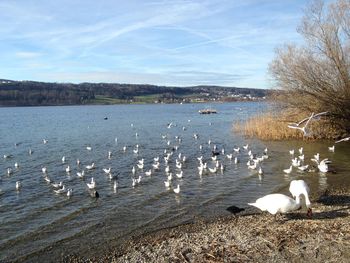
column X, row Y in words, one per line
column 172, row 43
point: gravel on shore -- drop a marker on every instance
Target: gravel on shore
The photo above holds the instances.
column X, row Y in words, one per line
column 248, row 237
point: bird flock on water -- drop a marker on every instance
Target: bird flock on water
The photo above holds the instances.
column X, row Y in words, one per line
column 170, row 163
column 280, row 203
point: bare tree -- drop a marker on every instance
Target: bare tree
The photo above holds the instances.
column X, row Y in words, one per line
column 315, row 77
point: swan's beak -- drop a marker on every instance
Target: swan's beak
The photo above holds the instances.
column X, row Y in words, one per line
column 309, row 213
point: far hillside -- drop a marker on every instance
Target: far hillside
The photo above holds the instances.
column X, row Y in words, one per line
column 33, row 93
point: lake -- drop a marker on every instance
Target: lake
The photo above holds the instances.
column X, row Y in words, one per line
column 37, row 223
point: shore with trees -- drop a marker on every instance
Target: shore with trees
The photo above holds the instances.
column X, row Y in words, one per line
column 311, row 78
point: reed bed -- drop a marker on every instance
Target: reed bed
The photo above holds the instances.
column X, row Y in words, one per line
column 274, row 126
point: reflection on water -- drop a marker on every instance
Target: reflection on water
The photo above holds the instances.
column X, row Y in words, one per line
column 35, row 218
column 322, row 181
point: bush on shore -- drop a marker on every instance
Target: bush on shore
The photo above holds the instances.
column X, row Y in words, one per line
column 312, row 77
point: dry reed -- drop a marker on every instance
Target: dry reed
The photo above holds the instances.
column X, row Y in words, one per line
column 274, row 126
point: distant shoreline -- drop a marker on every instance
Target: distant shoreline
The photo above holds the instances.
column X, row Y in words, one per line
column 34, row 93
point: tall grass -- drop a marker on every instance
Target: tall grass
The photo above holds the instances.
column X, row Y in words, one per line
column 274, row 126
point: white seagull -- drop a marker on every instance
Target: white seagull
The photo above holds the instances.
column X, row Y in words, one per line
column 91, row 185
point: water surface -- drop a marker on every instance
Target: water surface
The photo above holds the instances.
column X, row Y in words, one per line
column 36, row 219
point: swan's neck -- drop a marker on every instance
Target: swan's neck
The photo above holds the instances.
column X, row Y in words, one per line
column 297, row 202
column 307, row 200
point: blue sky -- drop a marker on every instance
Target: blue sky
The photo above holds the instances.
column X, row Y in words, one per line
column 176, row 43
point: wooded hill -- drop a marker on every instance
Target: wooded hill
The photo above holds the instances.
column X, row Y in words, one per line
column 33, row 93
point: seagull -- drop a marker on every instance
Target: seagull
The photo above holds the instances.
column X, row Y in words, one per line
column 60, row 191
column 45, row 141
column 289, row 170
column 229, row 156
column 69, row 192
column 91, row 185
column 63, row 159
column 331, row 149
column 107, row 171
column 78, row 162
column 88, row 148
column 44, row 170
column 260, row 171
column 155, row 166
column 236, row 160
column 109, row 154
column 90, row 167
column 276, row 203
column 213, row 170
column 133, row 170
column 167, row 184
column 57, row 185
column 179, row 175
column 115, row 185
column 149, row 172
column 47, row 179
column 237, row 149
column 323, row 165
column 301, row 149
column 177, row 189
column 303, row 168
column 124, row 149
column 291, row 152
column 245, row 147
column 18, row 185
column 298, row 188
column 9, row 171
column 68, row 169
column 307, row 120
column 81, row 174
column 343, row 140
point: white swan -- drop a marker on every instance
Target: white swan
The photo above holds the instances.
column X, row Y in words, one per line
column 276, row 203
column 298, row 188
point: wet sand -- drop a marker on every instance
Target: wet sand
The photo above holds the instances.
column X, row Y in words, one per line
column 249, row 236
